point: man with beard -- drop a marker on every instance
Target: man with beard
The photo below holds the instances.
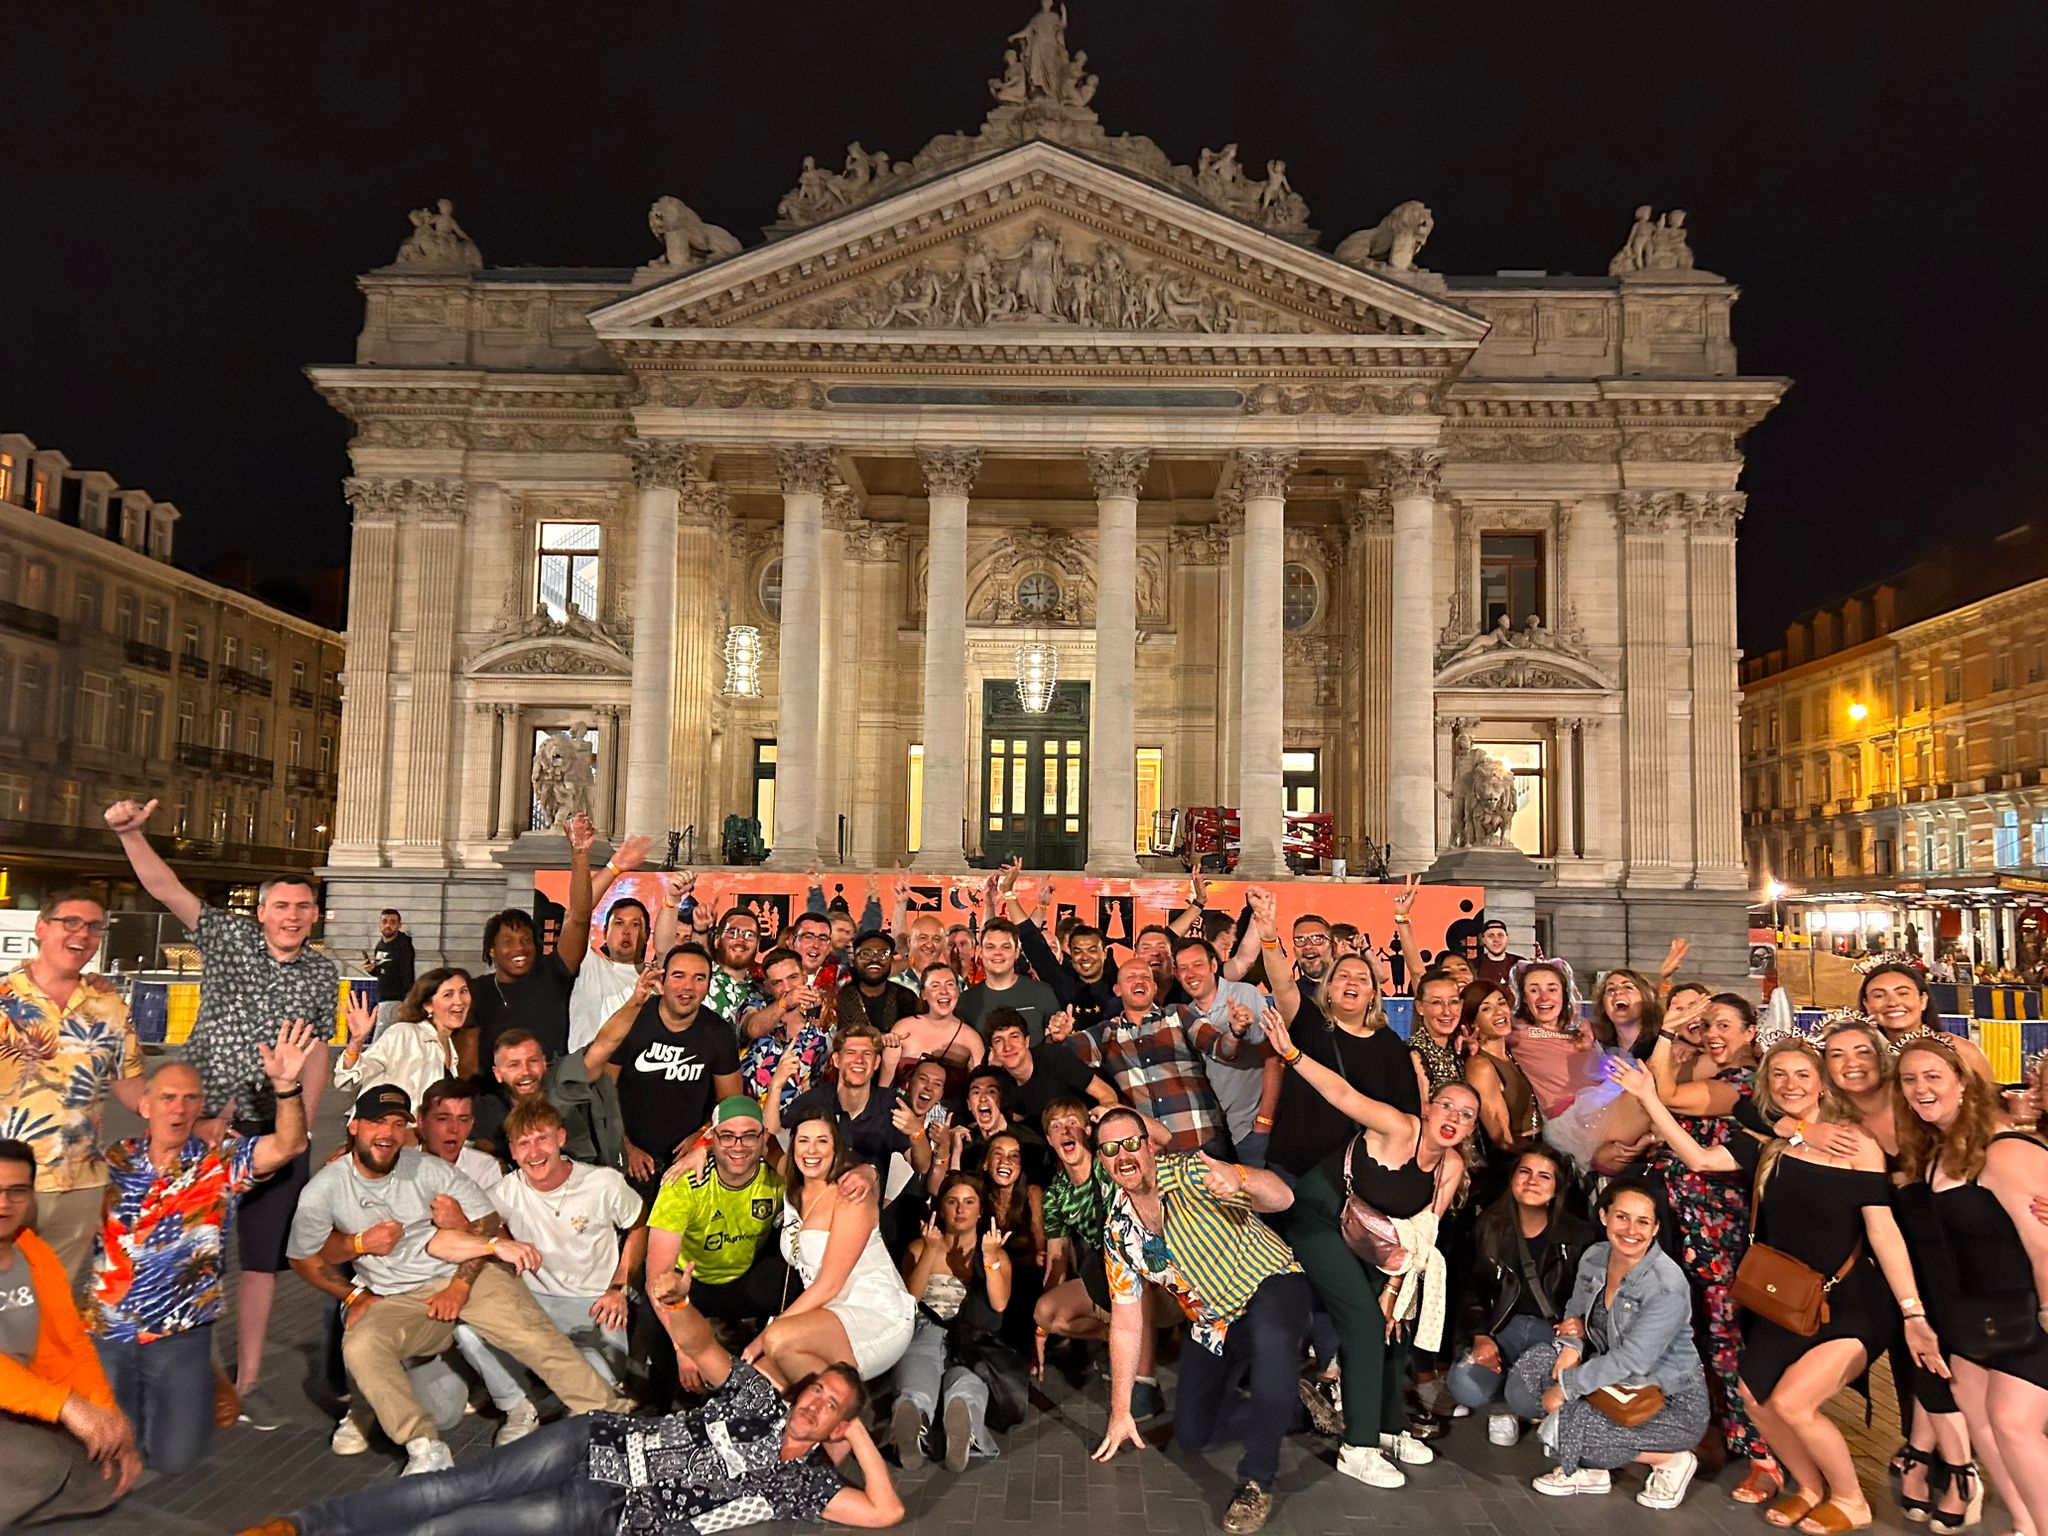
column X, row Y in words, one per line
column 757, row 1451
column 790, row 1027
column 672, row 1060
column 521, row 1071
column 1315, row 948
column 875, row 1120
column 1154, row 1056
column 721, row 1221
column 526, row 989
column 401, row 1303
column 1038, row 1074
column 1243, row 1074
column 871, row 997
column 735, row 985
column 255, row 973
column 391, row 962
column 1002, row 988
column 1189, row 1223
column 66, row 1447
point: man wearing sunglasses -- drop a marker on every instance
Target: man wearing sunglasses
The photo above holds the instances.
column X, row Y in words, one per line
column 65, row 1045
column 1189, row 1223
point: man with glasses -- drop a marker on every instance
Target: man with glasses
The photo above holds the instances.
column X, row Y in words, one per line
column 811, row 937
column 722, row 1219
column 871, row 997
column 1315, row 948
column 1190, row 1224
column 65, row 1045
column 736, row 989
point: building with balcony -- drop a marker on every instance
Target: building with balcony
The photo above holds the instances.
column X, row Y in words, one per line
column 122, row 675
column 1895, row 759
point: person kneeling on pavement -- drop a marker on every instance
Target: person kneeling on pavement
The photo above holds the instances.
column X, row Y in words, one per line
column 757, row 1450
column 406, row 1299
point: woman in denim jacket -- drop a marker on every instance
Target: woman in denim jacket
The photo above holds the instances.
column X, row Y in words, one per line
column 1629, row 1323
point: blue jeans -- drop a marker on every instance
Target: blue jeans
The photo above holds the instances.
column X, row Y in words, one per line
column 539, row 1486
column 924, row 1378
column 1477, row 1387
column 166, row 1389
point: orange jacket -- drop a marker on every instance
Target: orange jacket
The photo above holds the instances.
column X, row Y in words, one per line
column 65, row 1361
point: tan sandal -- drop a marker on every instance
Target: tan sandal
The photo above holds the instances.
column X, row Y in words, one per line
column 1829, row 1519
column 1789, row 1509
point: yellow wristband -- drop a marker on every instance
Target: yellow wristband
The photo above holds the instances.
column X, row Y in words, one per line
column 359, row 1244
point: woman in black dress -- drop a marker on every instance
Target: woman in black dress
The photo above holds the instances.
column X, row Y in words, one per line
column 1832, row 1214
column 1987, row 1308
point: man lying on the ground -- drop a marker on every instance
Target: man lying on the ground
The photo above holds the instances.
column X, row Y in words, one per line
column 756, row 1451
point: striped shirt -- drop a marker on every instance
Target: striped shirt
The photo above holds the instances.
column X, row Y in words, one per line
column 1210, row 1255
column 1157, row 1065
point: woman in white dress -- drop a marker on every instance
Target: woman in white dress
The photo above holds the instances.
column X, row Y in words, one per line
column 415, row 1050
column 853, row 1308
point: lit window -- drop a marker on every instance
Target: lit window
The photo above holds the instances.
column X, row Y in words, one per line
column 566, row 569
column 1523, row 759
column 8, row 473
column 1301, row 781
column 39, row 494
column 916, row 838
column 771, row 589
column 764, row 788
column 1151, row 775
column 1510, row 578
column 1300, row 599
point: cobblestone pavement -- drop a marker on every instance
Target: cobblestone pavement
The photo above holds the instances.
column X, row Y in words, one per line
column 1043, row 1475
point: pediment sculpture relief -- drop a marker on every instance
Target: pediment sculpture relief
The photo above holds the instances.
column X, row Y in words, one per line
column 539, row 645
column 686, row 240
column 437, row 243
column 1041, row 280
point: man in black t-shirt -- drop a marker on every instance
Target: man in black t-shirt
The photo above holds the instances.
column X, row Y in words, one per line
column 875, row 1119
column 391, row 962
column 526, row 989
column 672, row 1059
column 1039, row 1074
column 988, row 1117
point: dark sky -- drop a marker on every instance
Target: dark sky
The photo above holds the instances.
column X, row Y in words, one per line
column 191, row 188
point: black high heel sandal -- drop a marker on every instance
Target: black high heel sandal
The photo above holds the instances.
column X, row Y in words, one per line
column 1920, row 1511
column 1965, row 1481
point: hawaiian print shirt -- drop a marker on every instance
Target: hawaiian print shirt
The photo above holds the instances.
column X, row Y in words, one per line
column 761, row 1057
column 56, row 1065
column 731, row 996
column 159, row 1265
column 245, row 993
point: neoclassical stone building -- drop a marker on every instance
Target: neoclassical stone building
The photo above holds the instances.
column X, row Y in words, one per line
column 1287, row 517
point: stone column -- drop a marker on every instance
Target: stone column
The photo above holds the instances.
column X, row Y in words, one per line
column 805, row 471
column 1262, row 476
column 360, row 812
column 658, row 469
column 1371, row 524
column 948, row 477
column 1112, row 728
column 1642, row 518
column 437, row 507
column 701, row 515
column 515, row 764
column 1412, row 477
column 1564, row 776
column 1716, row 750
column 609, row 741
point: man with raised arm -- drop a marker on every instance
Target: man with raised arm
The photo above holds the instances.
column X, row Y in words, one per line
column 255, row 973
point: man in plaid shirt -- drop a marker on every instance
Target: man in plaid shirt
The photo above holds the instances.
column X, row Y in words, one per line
column 1154, row 1056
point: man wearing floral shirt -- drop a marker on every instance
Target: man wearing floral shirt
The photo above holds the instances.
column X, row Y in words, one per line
column 65, row 1044
column 156, row 1286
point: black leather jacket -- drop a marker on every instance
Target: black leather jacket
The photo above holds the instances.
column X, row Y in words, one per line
column 1496, row 1281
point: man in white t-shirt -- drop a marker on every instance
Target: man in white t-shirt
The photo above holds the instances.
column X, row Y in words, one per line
column 606, row 978
column 446, row 1121
column 1237, row 1060
column 573, row 1214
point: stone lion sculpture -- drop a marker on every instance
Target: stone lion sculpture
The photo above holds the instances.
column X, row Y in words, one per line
column 686, row 240
column 1396, row 240
column 562, row 781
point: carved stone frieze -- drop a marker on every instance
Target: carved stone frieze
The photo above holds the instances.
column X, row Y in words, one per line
column 1702, row 447
column 553, row 661
column 658, row 464
column 1265, row 471
column 1040, row 281
column 1118, row 471
column 880, row 542
column 1523, row 447
column 1414, row 472
column 1522, row 672
column 949, row 471
column 1208, row 544
column 804, row 468
column 686, row 389
column 410, row 432
column 1377, row 398
column 548, row 436
column 1000, row 572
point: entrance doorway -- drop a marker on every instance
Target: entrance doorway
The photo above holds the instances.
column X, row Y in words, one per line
column 1034, row 777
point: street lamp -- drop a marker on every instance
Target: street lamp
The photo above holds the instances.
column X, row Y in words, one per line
column 1859, row 713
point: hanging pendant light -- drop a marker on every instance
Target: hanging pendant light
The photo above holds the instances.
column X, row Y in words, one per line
column 1038, row 671
column 743, row 662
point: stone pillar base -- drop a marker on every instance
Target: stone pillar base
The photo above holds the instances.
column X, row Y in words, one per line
column 940, row 861
column 1510, row 879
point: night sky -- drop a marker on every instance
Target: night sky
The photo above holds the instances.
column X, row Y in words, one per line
column 191, row 189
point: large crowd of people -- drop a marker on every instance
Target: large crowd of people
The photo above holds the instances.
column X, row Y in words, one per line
column 724, row 1224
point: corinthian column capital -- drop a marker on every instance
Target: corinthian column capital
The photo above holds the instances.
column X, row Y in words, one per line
column 658, row 464
column 805, row 468
column 1265, row 471
column 1118, row 471
column 1414, row 472
column 949, row 471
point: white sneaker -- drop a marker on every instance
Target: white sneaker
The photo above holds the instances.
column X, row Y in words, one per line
column 1370, row 1467
column 1503, row 1429
column 349, row 1440
column 521, row 1420
column 427, row 1454
column 1668, row 1482
column 1407, row 1450
column 1559, row 1483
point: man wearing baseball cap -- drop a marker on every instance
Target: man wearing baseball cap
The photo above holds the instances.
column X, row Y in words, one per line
column 414, row 1281
column 722, row 1218
column 1496, row 965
